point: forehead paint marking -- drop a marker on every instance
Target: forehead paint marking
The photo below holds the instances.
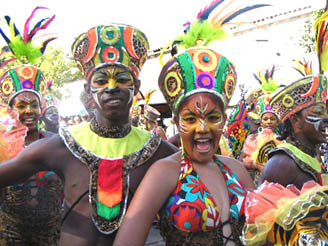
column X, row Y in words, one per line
column 201, row 109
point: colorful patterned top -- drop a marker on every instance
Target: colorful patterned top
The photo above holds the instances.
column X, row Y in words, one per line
column 191, row 206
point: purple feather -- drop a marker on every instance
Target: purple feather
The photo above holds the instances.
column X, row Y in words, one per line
column 243, row 10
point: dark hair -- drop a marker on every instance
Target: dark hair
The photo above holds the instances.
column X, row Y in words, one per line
column 286, row 129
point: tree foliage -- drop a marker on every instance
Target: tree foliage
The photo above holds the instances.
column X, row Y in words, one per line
column 307, row 40
column 56, row 66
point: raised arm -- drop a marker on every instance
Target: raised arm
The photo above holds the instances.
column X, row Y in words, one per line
column 38, row 156
column 150, row 196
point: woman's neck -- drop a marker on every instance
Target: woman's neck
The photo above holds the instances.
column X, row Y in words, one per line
column 31, row 136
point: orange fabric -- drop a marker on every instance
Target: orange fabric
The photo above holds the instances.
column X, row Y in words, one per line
column 127, row 35
column 92, row 36
column 110, row 199
column 110, row 181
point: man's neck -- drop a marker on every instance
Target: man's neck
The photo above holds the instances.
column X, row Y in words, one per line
column 111, row 131
column 307, row 147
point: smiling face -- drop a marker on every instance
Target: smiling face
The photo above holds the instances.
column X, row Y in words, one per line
column 113, row 88
column 28, row 106
column 201, row 121
column 270, row 121
column 51, row 116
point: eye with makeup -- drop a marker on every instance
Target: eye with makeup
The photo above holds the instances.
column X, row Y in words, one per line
column 215, row 118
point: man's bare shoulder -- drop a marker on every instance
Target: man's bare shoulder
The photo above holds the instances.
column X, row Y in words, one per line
column 281, row 169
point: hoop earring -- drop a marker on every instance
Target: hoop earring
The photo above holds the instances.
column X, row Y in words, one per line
column 259, row 129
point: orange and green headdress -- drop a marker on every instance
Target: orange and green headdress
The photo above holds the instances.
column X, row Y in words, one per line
column 25, row 77
column 298, row 95
column 201, row 69
column 308, row 90
column 113, row 44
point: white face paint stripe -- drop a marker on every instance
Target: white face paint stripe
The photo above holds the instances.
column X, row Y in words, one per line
column 182, row 126
column 202, row 124
column 314, row 120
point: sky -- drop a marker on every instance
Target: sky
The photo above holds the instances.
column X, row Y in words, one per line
column 161, row 21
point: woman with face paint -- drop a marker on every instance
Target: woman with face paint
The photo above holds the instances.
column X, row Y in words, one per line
column 31, row 209
column 257, row 145
column 199, row 195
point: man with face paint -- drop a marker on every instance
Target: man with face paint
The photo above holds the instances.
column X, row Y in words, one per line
column 50, row 113
column 30, row 209
column 104, row 160
column 301, row 106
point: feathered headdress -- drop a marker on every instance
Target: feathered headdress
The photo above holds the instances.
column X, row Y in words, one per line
column 321, row 36
column 205, row 29
column 148, row 96
column 265, row 78
column 22, row 45
column 303, row 67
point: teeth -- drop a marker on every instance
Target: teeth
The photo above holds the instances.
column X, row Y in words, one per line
column 202, row 140
column 114, row 101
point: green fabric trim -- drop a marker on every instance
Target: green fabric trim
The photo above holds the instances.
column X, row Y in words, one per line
column 37, row 81
column 311, row 161
column 15, row 79
column 107, row 212
column 220, row 75
column 188, row 72
column 109, row 147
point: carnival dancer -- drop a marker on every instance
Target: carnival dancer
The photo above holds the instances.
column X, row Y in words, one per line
column 151, row 115
column 31, row 206
column 198, row 194
column 104, row 160
column 301, row 107
column 257, row 145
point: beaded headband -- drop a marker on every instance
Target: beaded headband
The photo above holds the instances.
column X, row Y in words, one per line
column 298, row 95
column 115, row 44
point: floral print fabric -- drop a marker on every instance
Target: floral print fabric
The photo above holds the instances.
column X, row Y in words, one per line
column 191, row 206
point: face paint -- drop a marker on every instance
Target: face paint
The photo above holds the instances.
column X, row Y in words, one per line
column 201, row 122
column 320, row 114
column 27, row 104
column 110, row 80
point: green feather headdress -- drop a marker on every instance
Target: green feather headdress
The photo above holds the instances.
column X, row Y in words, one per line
column 22, row 45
